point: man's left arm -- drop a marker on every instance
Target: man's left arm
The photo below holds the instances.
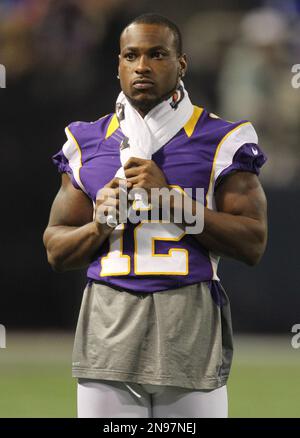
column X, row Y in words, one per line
column 238, row 228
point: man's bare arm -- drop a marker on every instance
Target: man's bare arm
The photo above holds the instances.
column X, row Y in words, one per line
column 72, row 237
column 238, row 228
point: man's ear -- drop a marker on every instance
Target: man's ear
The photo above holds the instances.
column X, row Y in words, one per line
column 183, row 64
column 119, row 56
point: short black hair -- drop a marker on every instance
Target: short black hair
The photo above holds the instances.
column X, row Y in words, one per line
column 151, row 18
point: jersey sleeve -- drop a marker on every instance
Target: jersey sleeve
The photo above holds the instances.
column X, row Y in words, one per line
column 69, row 159
column 239, row 151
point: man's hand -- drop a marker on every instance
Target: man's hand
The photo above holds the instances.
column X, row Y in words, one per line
column 108, row 200
column 144, row 174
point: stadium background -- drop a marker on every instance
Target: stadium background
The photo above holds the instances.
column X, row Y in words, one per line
column 61, row 62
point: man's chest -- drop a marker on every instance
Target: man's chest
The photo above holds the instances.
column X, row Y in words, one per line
column 186, row 162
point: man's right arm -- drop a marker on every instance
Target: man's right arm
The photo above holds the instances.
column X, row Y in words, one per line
column 72, row 237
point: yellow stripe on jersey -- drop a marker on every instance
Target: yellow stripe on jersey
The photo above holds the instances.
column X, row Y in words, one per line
column 112, row 127
column 190, row 125
column 212, row 175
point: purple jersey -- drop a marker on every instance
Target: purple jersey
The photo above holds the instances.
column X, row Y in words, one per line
column 148, row 256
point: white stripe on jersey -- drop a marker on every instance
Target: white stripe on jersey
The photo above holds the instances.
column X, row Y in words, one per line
column 72, row 152
column 243, row 134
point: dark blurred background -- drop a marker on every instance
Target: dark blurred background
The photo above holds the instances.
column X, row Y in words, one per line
column 61, row 62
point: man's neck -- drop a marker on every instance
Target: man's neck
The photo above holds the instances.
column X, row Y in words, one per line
column 143, row 110
column 140, row 108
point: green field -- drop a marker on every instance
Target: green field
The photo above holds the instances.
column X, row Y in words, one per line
column 35, row 377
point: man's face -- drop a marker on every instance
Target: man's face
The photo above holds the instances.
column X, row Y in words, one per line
column 149, row 65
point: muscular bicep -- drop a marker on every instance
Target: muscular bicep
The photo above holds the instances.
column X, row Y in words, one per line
column 242, row 194
column 71, row 207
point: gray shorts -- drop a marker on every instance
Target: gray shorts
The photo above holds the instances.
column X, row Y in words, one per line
column 179, row 337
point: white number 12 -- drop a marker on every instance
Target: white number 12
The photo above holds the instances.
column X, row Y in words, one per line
column 146, row 262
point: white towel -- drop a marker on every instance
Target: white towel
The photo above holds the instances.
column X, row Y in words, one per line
column 145, row 136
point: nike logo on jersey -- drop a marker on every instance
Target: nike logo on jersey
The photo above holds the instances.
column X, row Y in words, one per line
column 255, row 151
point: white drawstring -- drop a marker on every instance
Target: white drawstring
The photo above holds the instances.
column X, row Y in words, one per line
column 135, row 393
